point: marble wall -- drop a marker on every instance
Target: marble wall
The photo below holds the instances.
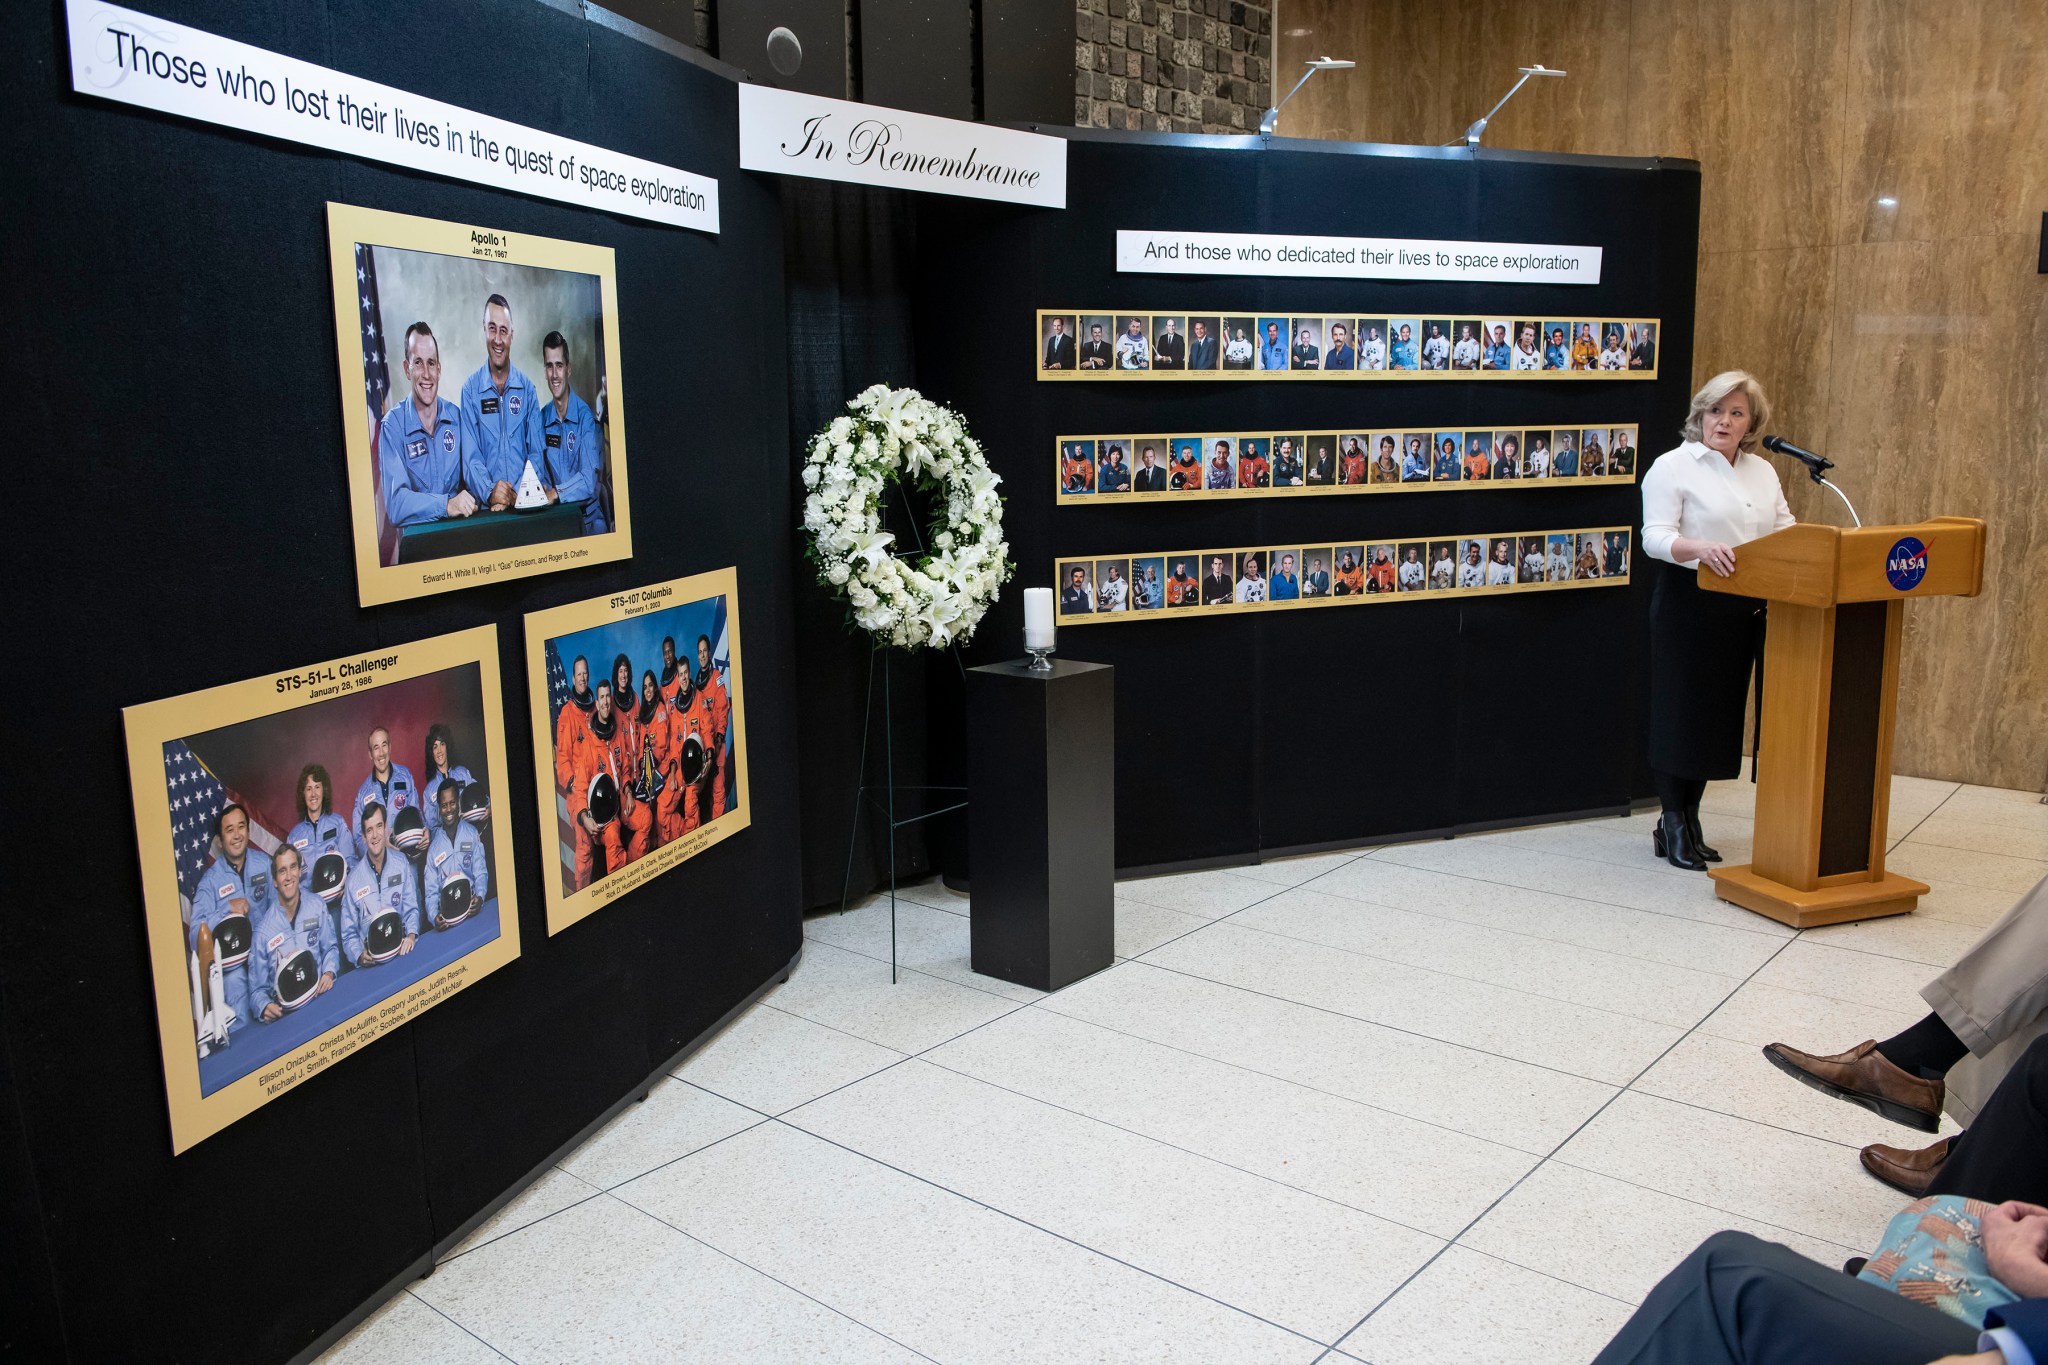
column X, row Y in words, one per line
column 1874, row 172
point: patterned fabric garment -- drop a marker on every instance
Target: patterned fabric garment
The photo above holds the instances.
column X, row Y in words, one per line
column 1933, row 1253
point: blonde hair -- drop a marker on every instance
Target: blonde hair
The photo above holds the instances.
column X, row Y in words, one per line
column 1718, row 388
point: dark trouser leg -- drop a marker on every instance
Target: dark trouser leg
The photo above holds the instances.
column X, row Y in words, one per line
column 2004, row 1155
column 1673, row 793
column 1738, row 1300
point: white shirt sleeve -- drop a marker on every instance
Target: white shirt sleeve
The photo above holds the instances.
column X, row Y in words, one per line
column 1663, row 508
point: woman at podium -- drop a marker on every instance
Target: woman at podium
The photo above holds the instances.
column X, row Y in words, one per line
column 1701, row 500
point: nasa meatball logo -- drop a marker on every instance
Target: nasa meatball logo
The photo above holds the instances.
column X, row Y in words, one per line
column 1905, row 564
column 448, row 441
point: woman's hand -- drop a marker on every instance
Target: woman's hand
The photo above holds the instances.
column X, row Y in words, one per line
column 1711, row 553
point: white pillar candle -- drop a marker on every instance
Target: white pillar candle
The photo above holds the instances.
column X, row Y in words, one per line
column 1038, row 618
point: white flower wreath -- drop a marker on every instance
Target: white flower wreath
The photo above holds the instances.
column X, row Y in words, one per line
column 941, row 597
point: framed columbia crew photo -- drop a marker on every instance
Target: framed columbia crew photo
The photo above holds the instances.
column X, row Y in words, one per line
column 321, row 861
column 639, row 735
column 482, row 404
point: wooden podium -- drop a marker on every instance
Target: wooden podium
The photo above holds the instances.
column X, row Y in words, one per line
column 1831, row 687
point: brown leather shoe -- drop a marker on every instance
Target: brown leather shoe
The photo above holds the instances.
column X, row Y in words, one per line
column 1863, row 1075
column 1907, row 1171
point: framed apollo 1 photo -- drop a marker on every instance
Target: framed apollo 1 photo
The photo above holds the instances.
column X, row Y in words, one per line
column 639, row 736
column 320, row 863
column 483, row 409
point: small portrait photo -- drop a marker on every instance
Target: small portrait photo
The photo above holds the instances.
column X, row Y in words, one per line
column 1564, row 454
column 1478, row 455
column 1621, row 452
column 1613, row 346
column 1536, row 455
column 1148, row 583
column 1169, row 342
column 1467, row 343
column 495, row 431
column 1385, row 465
column 1443, row 565
column 1184, row 466
column 1614, row 555
column 1058, row 344
column 1500, row 562
column 1557, row 345
column 1289, row 470
column 1183, row 581
column 1507, row 455
column 1411, row 566
column 1077, row 587
column 1472, row 563
column 1436, row 343
column 1077, row 467
column 1205, row 343
column 1642, row 346
column 1133, row 342
column 1148, row 464
column 1349, row 578
column 1276, row 344
column 1593, row 453
column 1585, row 346
column 1587, row 562
column 1354, row 458
column 1529, row 560
column 1098, row 341
column 1219, row 584
column 1416, row 457
column 1496, row 344
column 1450, row 457
column 1254, row 463
column 1527, row 351
column 1283, row 575
column 1221, row 471
column 1113, row 466
column 1372, row 343
column 1557, row 558
column 1379, row 569
column 1306, row 352
column 1340, row 344
column 1321, row 458
column 1404, row 344
column 1316, row 580
column 1112, row 586
column 1240, row 343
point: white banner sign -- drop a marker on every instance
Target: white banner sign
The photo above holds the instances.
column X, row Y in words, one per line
column 121, row 54
column 827, row 139
column 1375, row 258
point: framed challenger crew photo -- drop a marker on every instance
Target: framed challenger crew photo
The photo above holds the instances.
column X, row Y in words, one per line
column 639, row 732
column 481, row 400
column 320, row 863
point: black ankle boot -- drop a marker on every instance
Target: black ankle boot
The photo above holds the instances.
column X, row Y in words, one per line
column 1673, row 842
column 1699, row 843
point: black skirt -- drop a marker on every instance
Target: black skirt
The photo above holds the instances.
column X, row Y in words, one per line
column 1702, row 646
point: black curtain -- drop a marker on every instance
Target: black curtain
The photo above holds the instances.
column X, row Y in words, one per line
column 849, row 255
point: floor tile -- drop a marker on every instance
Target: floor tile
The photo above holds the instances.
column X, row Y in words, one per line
column 1915, row 937
column 933, row 892
column 1625, row 841
column 405, row 1331
column 1977, row 906
column 2018, row 810
column 1425, row 1178
column 935, row 942
column 1140, row 927
column 1789, row 1180
column 853, row 994
column 1913, row 799
column 1275, row 1252
column 1972, row 835
column 1934, row 864
column 1612, row 1237
column 937, row 1272
column 1297, row 869
column 1733, row 1078
column 1586, row 1042
column 1210, row 895
column 1841, row 974
column 1483, row 1311
column 1759, row 1014
column 606, row 1282
column 1526, row 1107
column 1732, row 796
column 771, row 1060
column 674, row 1120
column 1644, row 990
column 554, row 1191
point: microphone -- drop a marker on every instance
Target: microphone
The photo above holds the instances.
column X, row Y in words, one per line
column 1819, row 464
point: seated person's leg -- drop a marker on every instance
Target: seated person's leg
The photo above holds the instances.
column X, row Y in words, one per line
column 2004, row 1155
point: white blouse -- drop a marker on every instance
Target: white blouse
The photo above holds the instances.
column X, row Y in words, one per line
column 1695, row 493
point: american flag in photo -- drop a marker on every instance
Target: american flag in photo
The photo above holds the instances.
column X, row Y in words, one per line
column 558, row 697
column 196, row 798
column 376, row 385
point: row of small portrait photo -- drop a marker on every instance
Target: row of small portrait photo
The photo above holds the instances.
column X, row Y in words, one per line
column 1265, row 577
column 1079, row 344
column 1092, row 468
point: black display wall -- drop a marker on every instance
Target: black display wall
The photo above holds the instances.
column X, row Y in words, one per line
column 181, row 521
column 1289, row 730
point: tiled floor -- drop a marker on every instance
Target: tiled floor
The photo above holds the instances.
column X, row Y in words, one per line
column 1316, row 1109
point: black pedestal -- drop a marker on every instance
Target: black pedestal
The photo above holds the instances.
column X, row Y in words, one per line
column 1041, row 772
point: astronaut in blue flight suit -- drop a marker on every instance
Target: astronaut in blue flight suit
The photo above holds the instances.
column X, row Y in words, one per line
column 319, row 830
column 389, row 784
column 565, row 432
column 455, row 848
column 240, row 873
column 419, row 452
column 498, row 403
column 292, row 923
column 380, row 880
